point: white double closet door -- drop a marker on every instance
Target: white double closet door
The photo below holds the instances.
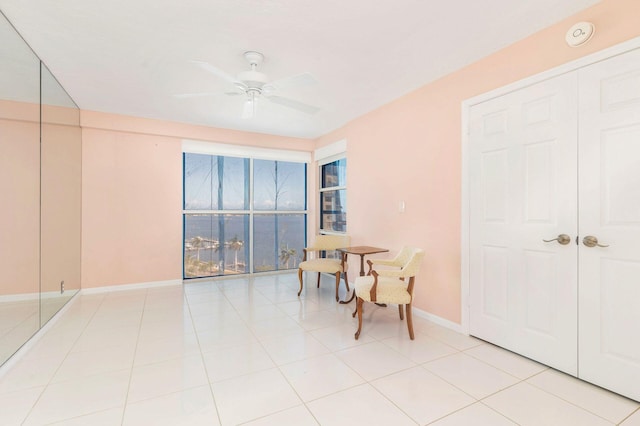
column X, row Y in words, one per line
column 560, row 161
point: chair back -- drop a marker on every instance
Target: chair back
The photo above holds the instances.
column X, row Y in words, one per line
column 411, row 268
column 404, row 256
column 331, row 242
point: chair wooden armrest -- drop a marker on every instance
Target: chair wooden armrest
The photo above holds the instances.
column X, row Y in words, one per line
column 374, row 288
column 370, row 263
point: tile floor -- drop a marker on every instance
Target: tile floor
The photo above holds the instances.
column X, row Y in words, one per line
column 248, row 351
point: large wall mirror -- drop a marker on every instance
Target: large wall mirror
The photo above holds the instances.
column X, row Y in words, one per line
column 40, row 161
column 60, row 184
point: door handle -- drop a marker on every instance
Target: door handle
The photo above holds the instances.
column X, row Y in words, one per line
column 591, row 241
column 562, row 239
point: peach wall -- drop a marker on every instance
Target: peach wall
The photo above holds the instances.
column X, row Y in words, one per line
column 60, row 200
column 40, row 185
column 132, row 194
column 20, row 189
column 410, row 150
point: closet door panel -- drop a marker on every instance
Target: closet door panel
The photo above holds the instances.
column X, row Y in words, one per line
column 523, row 175
column 609, row 193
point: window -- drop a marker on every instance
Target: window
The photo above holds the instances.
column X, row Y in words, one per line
column 333, row 196
column 279, row 219
column 242, row 215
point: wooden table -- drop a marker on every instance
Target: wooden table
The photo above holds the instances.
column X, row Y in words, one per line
column 361, row 251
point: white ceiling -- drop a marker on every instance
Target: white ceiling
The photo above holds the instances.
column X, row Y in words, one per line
column 134, row 56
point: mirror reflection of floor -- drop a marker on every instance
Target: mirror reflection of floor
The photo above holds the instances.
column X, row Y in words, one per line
column 19, row 320
column 21, row 317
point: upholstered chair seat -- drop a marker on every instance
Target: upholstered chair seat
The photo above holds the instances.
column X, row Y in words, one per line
column 312, row 260
column 391, row 290
column 389, row 287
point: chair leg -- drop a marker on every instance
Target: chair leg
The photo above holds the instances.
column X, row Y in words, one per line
column 300, row 278
column 337, row 284
column 355, row 311
column 359, row 303
column 400, row 309
column 318, row 280
column 409, row 320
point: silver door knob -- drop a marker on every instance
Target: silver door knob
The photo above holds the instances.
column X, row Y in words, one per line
column 591, row 241
column 563, row 239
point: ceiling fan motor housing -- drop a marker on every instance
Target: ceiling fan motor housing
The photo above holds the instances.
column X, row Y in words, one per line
column 254, row 79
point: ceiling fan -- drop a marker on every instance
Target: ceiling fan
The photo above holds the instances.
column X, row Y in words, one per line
column 255, row 84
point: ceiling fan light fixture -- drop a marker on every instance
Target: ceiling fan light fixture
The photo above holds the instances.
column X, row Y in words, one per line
column 249, row 108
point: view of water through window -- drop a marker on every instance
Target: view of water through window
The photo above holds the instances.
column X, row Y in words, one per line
column 227, row 233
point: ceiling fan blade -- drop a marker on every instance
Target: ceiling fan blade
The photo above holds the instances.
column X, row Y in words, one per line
column 290, row 103
column 216, row 71
column 303, row 79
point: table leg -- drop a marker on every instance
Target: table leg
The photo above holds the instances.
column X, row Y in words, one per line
column 353, row 295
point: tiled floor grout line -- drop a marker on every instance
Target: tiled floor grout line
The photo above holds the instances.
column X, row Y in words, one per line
column 369, row 382
column 331, row 352
column 133, row 360
column 271, row 299
column 63, row 359
column 565, row 400
column 201, row 352
column 630, row 414
column 275, row 364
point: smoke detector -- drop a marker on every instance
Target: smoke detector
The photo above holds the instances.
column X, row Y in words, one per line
column 579, row 34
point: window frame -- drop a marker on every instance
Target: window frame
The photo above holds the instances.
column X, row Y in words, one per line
column 321, row 190
column 250, row 153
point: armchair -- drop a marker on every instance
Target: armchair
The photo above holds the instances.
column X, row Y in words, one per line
column 318, row 264
column 391, row 287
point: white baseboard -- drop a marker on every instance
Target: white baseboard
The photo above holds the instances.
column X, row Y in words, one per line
column 110, row 288
column 439, row 320
column 19, row 297
column 32, row 296
column 55, row 294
